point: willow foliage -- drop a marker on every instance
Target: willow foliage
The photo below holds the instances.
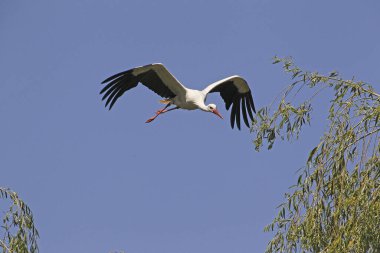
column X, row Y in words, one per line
column 335, row 204
column 17, row 233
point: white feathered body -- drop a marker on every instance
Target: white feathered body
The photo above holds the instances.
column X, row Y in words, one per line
column 190, row 100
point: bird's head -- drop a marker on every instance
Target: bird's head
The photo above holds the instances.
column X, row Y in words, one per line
column 212, row 108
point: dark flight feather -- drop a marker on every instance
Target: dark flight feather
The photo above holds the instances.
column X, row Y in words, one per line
column 231, row 96
column 126, row 80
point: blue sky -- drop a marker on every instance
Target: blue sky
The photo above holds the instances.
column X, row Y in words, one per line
column 100, row 180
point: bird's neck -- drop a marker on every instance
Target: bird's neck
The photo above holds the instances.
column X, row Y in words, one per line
column 198, row 98
column 203, row 107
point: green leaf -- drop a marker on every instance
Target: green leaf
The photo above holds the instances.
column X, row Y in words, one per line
column 312, row 154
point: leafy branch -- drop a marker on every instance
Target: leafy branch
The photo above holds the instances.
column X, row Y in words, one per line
column 334, row 205
column 18, row 231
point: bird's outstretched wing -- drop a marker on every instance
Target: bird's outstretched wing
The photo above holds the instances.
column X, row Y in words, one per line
column 154, row 76
column 235, row 91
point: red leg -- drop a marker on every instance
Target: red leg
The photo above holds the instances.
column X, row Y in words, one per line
column 158, row 113
column 165, row 111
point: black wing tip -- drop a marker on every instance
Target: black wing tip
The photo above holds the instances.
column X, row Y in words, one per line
column 108, row 79
column 112, row 82
column 238, row 113
column 252, row 103
column 237, row 109
column 244, row 111
column 232, row 117
column 102, row 91
column 108, row 107
column 113, row 77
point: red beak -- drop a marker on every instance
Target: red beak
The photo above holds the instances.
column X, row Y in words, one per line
column 215, row 111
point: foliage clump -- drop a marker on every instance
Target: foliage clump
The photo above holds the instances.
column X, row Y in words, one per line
column 335, row 204
column 18, row 233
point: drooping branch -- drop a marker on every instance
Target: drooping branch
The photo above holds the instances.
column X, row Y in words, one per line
column 338, row 190
column 18, row 231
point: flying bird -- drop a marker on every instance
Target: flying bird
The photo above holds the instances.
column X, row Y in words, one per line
column 234, row 90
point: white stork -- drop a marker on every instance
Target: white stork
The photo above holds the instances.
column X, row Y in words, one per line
column 234, row 90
